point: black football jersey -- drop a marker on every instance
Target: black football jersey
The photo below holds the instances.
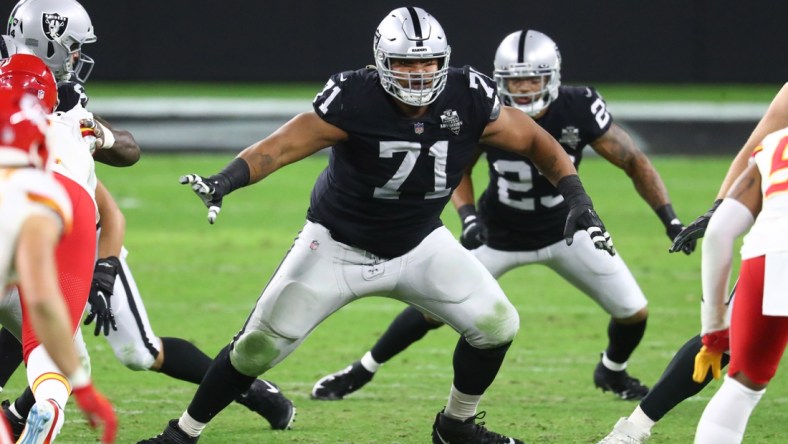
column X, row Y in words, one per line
column 521, row 209
column 385, row 187
column 70, row 94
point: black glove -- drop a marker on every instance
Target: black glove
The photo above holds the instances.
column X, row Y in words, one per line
column 100, row 295
column 673, row 226
column 585, row 218
column 694, row 230
column 582, row 215
column 211, row 190
column 472, row 236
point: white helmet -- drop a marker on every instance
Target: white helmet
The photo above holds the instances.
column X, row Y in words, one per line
column 411, row 33
column 55, row 30
column 528, row 54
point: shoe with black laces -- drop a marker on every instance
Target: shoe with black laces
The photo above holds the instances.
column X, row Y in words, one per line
column 452, row 431
column 342, row 383
column 171, row 435
column 265, row 399
column 620, row 383
column 16, row 423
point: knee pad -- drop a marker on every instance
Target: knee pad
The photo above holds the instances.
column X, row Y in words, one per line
column 253, row 352
column 496, row 329
column 135, row 357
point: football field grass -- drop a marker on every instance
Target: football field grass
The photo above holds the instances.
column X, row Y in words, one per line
column 199, row 282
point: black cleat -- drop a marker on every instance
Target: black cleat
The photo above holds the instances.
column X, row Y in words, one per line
column 171, row 435
column 17, row 424
column 265, row 399
column 620, row 383
column 342, row 383
column 451, row 431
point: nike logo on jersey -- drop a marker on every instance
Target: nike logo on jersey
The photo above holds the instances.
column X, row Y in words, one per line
column 271, row 388
column 342, row 77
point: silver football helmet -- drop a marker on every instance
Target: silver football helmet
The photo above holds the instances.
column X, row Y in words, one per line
column 55, row 30
column 411, row 33
column 528, row 54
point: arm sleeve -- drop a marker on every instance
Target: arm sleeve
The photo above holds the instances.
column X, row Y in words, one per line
column 729, row 222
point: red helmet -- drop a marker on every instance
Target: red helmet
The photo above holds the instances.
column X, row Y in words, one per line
column 29, row 73
column 23, row 125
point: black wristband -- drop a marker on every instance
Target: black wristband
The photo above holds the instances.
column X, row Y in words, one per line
column 235, row 175
column 667, row 215
column 572, row 189
column 465, row 212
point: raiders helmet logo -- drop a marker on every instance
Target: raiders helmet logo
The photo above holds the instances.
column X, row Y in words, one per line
column 54, row 25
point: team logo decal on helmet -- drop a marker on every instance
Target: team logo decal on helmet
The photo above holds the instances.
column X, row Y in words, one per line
column 54, row 25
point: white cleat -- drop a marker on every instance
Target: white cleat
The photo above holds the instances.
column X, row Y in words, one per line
column 626, row 432
column 43, row 423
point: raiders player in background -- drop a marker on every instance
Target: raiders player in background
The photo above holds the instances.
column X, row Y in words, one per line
column 402, row 134
column 116, row 306
column 521, row 216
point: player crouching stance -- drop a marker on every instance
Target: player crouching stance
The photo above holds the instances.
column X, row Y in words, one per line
column 34, row 213
column 402, row 134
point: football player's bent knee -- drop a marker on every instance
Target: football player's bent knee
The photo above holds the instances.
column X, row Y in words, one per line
column 496, row 329
column 639, row 316
column 135, row 358
column 253, row 353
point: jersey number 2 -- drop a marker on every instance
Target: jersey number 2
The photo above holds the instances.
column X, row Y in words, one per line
column 412, row 150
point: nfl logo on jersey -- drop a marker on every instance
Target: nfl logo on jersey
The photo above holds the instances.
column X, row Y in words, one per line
column 418, row 127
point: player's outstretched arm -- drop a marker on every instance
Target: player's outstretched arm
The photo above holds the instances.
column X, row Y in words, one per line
column 515, row 131
column 733, row 217
column 303, row 135
column 776, row 117
column 618, row 148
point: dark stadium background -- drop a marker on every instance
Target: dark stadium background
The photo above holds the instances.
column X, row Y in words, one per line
column 667, row 41
column 673, row 42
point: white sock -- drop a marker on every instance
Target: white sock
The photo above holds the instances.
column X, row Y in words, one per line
column 640, row 419
column 725, row 417
column 369, row 363
column 460, row 405
column 611, row 365
column 12, row 409
column 191, row 426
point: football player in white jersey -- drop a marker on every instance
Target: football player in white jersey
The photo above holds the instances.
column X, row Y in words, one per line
column 521, row 216
column 55, row 31
column 35, row 213
column 401, row 134
column 681, row 379
column 758, row 330
column 73, row 168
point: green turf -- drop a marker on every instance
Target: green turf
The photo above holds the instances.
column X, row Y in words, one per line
column 616, row 92
column 200, row 281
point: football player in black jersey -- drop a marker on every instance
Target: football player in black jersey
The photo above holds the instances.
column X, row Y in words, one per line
column 116, row 306
column 520, row 216
column 402, row 134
